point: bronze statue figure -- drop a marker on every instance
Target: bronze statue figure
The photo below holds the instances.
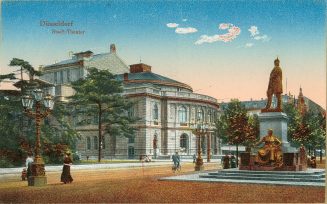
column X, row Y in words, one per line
column 271, row 153
column 275, row 86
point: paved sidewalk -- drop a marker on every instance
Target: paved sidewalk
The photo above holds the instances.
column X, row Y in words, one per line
column 18, row 170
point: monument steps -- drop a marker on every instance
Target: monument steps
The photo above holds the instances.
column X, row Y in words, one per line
column 267, row 178
column 316, row 176
column 269, row 175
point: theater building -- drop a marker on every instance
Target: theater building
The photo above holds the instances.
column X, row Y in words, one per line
column 168, row 110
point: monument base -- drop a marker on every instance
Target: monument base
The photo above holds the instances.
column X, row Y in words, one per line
column 37, row 181
column 291, row 162
column 277, row 121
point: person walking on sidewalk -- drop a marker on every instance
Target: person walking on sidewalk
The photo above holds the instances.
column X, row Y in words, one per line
column 65, row 175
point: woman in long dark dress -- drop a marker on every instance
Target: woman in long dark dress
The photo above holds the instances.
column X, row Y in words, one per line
column 65, row 175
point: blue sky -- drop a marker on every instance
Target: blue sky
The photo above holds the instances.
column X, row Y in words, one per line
column 238, row 68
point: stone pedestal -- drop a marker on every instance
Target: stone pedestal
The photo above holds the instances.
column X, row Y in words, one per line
column 37, row 181
column 277, row 121
column 38, row 177
column 199, row 165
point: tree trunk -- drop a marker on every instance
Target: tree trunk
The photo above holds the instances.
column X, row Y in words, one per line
column 100, row 132
column 236, row 155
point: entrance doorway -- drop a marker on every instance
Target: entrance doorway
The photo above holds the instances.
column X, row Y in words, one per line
column 131, row 152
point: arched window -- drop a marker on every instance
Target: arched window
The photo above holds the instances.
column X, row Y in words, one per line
column 88, row 142
column 184, row 141
column 155, row 112
column 200, row 115
column 182, row 114
column 96, row 142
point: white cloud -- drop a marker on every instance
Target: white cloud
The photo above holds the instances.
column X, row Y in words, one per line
column 184, row 19
column 264, row 38
column 255, row 34
column 224, row 26
column 254, row 30
column 172, row 25
column 186, row 30
column 233, row 32
column 248, row 45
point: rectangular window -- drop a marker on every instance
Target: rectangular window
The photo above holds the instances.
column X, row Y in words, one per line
column 103, row 142
column 88, row 142
column 81, row 73
column 96, row 142
column 68, row 75
column 62, row 77
column 55, row 79
column 131, row 139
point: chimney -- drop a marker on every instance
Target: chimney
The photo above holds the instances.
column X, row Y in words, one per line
column 136, row 68
column 125, row 76
column 112, row 48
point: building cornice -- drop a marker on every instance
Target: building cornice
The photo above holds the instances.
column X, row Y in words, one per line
column 172, row 98
column 180, row 85
column 54, row 66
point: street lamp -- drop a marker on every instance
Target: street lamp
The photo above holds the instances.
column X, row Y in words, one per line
column 38, row 177
column 200, row 131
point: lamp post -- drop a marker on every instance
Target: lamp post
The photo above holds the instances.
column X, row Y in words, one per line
column 200, row 131
column 38, row 177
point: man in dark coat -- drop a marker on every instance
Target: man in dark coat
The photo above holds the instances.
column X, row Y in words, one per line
column 275, row 86
column 226, row 164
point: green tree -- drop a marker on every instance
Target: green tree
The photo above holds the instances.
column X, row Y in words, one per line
column 101, row 90
column 293, row 124
column 10, row 76
column 315, row 133
column 25, row 66
column 236, row 125
column 17, row 138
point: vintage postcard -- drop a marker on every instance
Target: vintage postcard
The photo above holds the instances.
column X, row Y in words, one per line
column 153, row 101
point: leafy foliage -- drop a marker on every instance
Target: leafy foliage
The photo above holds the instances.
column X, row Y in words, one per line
column 10, row 76
column 237, row 125
column 25, row 66
column 17, row 136
column 308, row 129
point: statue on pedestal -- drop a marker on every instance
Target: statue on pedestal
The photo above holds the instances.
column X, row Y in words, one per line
column 271, row 153
column 275, row 86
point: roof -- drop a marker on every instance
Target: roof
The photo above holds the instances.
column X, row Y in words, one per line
column 38, row 82
column 64, row 62
column 150, row 77
column 86, row 52
column 113, row 62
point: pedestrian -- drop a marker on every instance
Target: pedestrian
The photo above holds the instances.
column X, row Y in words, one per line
column 232, row 161
column 313, row 163
column 176, row 160
column 28, row 163
column 194, row 158
column 226, row 164
column 65, row 175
